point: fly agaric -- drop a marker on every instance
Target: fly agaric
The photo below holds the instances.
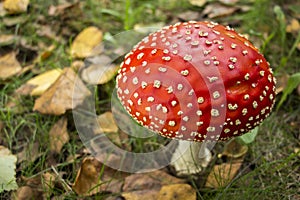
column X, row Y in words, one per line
column 196, row 81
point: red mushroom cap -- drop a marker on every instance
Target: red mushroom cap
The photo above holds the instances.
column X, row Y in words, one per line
column 196, row 81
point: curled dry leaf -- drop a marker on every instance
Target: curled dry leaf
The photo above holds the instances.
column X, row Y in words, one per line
column 16, row 6
column 88, row 181
column 59, row 135
column 222, row 174
column 234, row 149
column 100, row 72
column 39, row 84
column 59, row 97
column 9, row 65
column 86, row 42
column 177, row 192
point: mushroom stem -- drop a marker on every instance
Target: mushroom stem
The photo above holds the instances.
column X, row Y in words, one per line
column 190, row 157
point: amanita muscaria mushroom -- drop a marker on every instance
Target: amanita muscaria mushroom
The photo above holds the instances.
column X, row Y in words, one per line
column 196, row 81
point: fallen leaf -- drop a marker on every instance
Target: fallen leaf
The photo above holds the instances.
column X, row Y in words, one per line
column 7, row 170
column 77, row 65
column 234, row 149
column 30, row 153
column 229, row 2
column 16, row 6
column 58, row 135
column 39, row 84
column 189, row 16
column 100, row 72
column 7, row 39
column 24, row 193
column 3, row 12
column 88, row 181
column 293, row 26
column 198, row 3
column 14, row 20
column 85, row 43
column 221, row 175
column 9, row 65
column 59, row 97
column 45, row 54
column 106, row 123
column 62, row 8
column 147, row 185
column 218, row 10
column 177, row 192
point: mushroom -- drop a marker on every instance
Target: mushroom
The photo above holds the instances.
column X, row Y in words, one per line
column 196, row 82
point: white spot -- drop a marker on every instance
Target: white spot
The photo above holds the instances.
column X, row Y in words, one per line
column 211, row 129
column 132, row 69
column 172, row 123
column 140, row 55
column 195, row 43
column 124, row 79
column 185, row 72
column 148, row 109
column 137, row 114
column 159, row 106
column 179, row 86
column 191, row 92
column 170, row 89
column 179, row 113
column 135, row 80
column 147, row 71
column 246, row 96
column 244, row 52
column 227, row 130
column 216, row 94
column 206, row 52
column 237, row 122
column 187, row 57
column 174, row 103
column 164, row 109
column 157, row 84
column 127, row 61
column 233, row 46
column 214, row 112
column 231, row 66
column 262, row 73
column 244, row 111
column 199, row 112
column 144, row 63
column 130, row 102
column 247, row 76
column 189, row 105
column 271, row 97
column 162, row 69
column 254, row 104
column 126, row 91
column 150, row 99
column 216, row 62
column 166, row 51
column 200, row 100
column 144, row 84
column 212, row 79
column 153, row 51
column 139, row 101
column 186, row 118
column 206, row 62
column 183, row 128
column 232, row 107
column 135, row 95
column 199, row 123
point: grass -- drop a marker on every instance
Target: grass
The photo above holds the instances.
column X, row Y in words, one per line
column 272, row 167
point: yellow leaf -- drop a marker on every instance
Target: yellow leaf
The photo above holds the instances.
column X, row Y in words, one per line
column 177, row 191
column 58, row 135
column 85, row 43
column 16, row 6
column 9, row 65
column 43, row 81
column 60, row 96
column 294, row 26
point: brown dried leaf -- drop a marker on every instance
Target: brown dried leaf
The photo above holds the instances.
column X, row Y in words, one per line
column 30, row 153
column 16, row 6
column 218, row 10
column 88, row 181
column 234, row 149
column 100, row 72
column 39, row 84
column 86, row 42
column 61, row 9
column 177, row 192
column 221, row 175
column 148, row 194
column 7, row 39
column 24, row 193
column 59, row 135
column 59, row 97
column 105, row 124
column 9, row 65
